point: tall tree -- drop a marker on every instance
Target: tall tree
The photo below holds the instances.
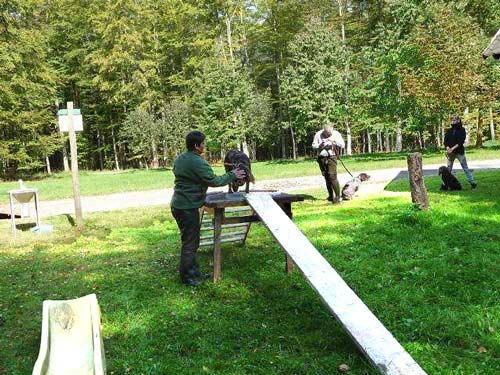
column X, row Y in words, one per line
column 28, row 82
column 314, row 80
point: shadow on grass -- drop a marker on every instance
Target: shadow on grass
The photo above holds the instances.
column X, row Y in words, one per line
column 25, row 227
column 71, row 219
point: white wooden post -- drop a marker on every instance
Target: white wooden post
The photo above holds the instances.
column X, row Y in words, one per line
column 74, row 166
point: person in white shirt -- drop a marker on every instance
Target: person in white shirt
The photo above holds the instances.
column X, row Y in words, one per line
column 327, row 142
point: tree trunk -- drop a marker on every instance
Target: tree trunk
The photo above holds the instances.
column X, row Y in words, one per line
column 348, row 149
column 369, row 141
column 399, row 138
column 155, row 162
column 101, row 164
column 466, row 126
column 165, row 153
column 387, row 142
column 115, row 149
column 438, row 134
column 246, row 61
column 294, row 144
column 419, row 140
column 416, row 177
column 443, row 124
column 244, row 148
column 222, row 153
column 229, row 37
column 283, row 146
column 379, row 141
column 492, row 125
column 65, row 158
column 47, row 163
column 479, row 137
column 348, row 143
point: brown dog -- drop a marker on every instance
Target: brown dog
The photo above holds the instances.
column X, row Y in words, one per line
column 237, row 159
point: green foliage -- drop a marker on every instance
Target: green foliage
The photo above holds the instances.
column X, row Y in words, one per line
column 176, row 122
column 28, row 83
column 140, row 132
column 226, row 105
column 261, row 73
column 313, row 83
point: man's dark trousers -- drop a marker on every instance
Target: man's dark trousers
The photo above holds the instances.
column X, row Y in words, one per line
column 328, row 167
column 188, row 221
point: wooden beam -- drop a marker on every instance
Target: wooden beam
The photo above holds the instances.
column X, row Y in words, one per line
column 240, row 219
column 369, row 334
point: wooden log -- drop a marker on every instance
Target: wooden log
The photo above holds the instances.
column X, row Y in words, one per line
column 416, row 177
column 372, row 338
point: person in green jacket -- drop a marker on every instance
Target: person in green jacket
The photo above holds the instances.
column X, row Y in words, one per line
column 193, row 176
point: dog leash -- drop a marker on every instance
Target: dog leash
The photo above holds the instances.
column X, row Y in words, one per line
column 339, row 159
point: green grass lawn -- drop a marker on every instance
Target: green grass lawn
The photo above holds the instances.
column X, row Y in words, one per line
column 59, row 185
column 431, row 277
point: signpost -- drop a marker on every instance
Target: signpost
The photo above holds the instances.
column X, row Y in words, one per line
column 70, row 120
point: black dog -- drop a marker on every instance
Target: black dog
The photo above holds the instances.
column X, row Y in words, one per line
column 237, row 159
column 450, row 182
column 352, row 186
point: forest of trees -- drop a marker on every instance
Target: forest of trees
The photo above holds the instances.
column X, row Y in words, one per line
column 261, row 75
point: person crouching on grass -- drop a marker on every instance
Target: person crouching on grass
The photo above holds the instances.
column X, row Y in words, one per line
column 193, row 176
column 454, row 141
column 325, row 141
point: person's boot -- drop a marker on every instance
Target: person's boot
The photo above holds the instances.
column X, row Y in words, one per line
column 190, row 278
column 191, row 282
column 201, row 276
column 473, row 185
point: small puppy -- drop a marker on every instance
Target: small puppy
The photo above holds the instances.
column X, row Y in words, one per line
column 450, row 182
column 352, row 186
column 237, row 159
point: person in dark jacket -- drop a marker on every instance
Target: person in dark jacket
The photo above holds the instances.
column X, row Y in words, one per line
column 193, row 176
column 454, row 141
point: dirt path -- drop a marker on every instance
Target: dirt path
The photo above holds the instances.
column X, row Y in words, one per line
column 379, row 179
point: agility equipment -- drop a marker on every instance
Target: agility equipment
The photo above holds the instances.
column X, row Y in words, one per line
column 369, row 334
column 71, row 342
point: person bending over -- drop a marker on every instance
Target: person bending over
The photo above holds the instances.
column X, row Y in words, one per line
column 326, row 141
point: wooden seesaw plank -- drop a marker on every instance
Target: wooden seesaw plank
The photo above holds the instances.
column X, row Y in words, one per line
column 369, row 334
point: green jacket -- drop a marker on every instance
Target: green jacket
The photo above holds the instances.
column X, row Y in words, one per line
column 193, row 176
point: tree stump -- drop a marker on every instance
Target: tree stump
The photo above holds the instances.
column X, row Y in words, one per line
column 416, row 177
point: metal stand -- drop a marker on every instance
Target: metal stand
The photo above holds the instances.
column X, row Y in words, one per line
column 22, row 196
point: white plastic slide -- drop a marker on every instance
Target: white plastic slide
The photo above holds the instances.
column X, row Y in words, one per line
column 71, row 342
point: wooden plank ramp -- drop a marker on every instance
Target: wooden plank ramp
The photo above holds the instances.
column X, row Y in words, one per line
column 369, row 334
